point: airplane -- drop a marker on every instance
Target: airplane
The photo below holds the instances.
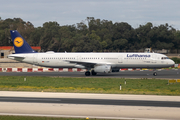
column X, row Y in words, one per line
column 93, row 62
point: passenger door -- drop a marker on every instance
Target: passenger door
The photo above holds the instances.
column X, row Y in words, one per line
column 35, row 62
column 120, row 59
column 79, row 58
column 154, row 58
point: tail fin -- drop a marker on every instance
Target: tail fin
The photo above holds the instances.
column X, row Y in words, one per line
column 20, row 45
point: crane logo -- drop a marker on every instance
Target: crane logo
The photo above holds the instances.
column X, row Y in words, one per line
column 18, row 41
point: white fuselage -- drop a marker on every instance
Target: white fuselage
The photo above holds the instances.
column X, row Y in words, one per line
column 115, row 60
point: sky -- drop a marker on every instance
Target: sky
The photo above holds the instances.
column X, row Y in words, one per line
column 69, row 12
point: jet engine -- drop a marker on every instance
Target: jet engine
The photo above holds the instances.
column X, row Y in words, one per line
column 102, row 69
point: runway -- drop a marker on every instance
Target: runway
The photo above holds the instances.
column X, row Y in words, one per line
column 104, row 106
column 91, row 101
column 82, row 105
column 167, row 74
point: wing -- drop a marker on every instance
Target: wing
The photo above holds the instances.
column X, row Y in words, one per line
column 88, row 64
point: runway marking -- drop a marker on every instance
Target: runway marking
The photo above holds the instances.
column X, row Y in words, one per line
column 21, row 98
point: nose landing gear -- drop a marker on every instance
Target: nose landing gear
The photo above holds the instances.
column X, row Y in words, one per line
column 155, row 73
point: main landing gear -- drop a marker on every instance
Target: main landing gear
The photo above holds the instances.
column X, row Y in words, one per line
column 93, row 73
column 88, row 73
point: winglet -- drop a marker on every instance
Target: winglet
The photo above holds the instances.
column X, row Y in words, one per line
column 20, row 45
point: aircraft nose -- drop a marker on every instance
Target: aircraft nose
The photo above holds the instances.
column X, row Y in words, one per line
column 172, row 62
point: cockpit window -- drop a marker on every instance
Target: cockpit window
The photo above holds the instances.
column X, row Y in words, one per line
column 163, row 58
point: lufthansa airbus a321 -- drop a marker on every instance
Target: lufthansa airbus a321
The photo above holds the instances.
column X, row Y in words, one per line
column 93, row 62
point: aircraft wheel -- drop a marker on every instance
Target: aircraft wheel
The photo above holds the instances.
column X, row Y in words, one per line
column 87, row 73
column 93, row 73
column 155, row 73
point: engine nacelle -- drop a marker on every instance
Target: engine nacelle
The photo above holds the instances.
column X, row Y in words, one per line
column 80, row 66
column 102, row 69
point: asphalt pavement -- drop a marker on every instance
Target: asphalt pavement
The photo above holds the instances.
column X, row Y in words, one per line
column 162, row 74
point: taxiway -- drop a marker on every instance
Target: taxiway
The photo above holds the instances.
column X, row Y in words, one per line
column 165, row 74
column 82, row 105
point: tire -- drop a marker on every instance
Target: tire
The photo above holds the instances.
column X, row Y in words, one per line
column 87, row 73
column 93, row 73
column 155, row 73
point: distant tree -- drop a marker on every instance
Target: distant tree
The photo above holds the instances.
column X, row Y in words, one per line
column 49, row 36
column 96, row 35
column 120, row 44
column 144, row 35
column 177, row 40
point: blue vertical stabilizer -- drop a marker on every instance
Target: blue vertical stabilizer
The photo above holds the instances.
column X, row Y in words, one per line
column 20, row 45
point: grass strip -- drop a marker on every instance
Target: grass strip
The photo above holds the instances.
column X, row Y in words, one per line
column 89, row 85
